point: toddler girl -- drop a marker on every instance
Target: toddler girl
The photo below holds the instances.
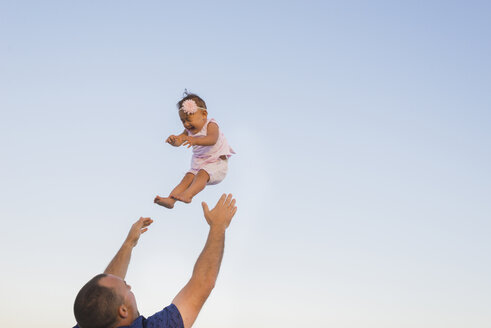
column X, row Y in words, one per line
column 210, row 151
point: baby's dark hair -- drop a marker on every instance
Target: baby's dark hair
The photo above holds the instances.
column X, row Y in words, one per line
column 187, row 95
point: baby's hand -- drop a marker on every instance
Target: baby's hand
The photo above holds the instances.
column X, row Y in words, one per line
column 190, row 141
column 175, row 141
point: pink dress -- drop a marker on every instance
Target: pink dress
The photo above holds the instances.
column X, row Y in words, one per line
column 208, row 157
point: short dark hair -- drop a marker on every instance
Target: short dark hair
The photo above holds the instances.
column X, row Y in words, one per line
column 188, row 95
column 96, row 306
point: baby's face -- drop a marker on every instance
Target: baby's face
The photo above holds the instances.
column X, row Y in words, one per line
column 193, row 122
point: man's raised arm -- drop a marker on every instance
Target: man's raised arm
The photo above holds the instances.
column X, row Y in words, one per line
column 191, row 298
column 119, row 264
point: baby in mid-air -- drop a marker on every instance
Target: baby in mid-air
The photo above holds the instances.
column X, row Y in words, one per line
column 211, row 151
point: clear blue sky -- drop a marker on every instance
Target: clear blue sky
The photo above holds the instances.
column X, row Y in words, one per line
column 362, row 175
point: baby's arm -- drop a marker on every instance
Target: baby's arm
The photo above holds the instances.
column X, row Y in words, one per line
column 176, row 141
column 209, row 140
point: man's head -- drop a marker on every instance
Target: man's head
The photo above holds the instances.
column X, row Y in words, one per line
column 105, row 301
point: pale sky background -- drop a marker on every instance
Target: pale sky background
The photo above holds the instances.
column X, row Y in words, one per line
column 362, row 174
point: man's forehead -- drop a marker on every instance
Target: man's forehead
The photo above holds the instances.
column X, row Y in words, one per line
column 111, row 281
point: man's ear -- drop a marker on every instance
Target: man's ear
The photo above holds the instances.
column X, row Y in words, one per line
column 123, row 311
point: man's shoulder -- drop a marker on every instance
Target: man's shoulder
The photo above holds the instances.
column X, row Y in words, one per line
column 169, row 317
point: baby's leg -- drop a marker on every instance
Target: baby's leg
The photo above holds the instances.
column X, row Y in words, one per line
column 183, row 185
column 196, row 186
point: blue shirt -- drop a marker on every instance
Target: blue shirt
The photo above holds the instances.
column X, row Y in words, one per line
column 169, row 317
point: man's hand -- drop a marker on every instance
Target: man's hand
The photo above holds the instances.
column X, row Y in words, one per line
column 137, row 229
column 222, row 213
column 119, row 264
column 176, row 141
column 191, row 298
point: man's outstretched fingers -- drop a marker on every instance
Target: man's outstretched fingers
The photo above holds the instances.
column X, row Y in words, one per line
column 144, row 222
column 229, row 199
column 232, row 204
column 221, row 200
column 206, row 210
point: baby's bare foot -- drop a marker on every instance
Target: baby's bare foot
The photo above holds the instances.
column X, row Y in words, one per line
column 183, row 197
column 164, row 201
